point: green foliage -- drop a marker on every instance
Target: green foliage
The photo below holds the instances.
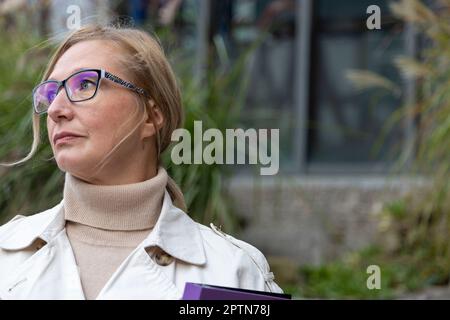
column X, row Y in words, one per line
column 216, row 101
column 347, row 278
column 31, row 186
column 422, row 224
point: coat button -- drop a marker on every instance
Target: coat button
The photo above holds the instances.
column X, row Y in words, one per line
column 39, row 244
column 162, row 258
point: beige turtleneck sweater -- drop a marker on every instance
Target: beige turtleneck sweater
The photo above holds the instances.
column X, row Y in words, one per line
column 105, row 224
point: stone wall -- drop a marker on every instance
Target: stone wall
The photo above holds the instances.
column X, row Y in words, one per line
column 314, row 219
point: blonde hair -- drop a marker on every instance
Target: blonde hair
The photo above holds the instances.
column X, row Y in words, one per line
column 149, row 69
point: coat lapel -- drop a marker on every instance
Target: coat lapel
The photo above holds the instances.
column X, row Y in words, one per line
column 51, row 273
column 139, row 277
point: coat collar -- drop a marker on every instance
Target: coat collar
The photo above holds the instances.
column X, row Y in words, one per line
column 175, row 232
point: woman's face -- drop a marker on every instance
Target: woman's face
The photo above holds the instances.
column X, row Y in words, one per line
column 100, row 122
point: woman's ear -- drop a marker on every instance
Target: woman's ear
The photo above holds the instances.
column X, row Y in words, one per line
column 154, row 118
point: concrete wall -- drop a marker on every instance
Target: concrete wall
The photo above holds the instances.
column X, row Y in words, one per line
column 314, row 219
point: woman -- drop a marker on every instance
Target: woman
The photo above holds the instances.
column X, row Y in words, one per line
column 112, row 102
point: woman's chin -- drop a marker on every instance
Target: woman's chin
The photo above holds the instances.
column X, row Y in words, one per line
column 72, row 163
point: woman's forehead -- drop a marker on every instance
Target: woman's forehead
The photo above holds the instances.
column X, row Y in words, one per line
column 98, row 54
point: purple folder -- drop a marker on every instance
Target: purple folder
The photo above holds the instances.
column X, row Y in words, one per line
column 197, row 291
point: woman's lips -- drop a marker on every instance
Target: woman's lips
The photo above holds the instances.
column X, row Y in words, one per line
column 66, row 139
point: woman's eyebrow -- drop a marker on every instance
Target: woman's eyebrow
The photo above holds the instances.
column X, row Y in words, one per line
column 70, row 73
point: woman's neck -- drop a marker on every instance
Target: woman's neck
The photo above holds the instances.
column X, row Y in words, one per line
column 123, row 207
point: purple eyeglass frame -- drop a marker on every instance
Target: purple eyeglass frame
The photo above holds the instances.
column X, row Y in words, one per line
column 101, row 74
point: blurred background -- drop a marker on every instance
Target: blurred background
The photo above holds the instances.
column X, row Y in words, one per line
column 363, row 114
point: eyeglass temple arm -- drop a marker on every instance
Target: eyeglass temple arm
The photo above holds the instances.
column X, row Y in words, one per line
column 124, row 83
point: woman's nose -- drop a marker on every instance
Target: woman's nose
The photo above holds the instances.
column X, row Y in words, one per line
column 61, row 107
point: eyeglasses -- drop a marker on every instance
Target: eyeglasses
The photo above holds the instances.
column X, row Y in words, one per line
column 80, row 86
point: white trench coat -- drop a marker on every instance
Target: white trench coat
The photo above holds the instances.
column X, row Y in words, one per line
column 33, row 269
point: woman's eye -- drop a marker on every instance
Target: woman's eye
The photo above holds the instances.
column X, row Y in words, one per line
column 51, row 97
column 85, row 84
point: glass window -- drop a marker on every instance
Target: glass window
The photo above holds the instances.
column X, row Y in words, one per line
column 269, row 101
column 344, row 124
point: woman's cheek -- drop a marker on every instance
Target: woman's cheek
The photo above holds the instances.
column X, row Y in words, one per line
column 100, row 144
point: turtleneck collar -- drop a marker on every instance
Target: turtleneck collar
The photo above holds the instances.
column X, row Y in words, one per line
column 121, row 207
